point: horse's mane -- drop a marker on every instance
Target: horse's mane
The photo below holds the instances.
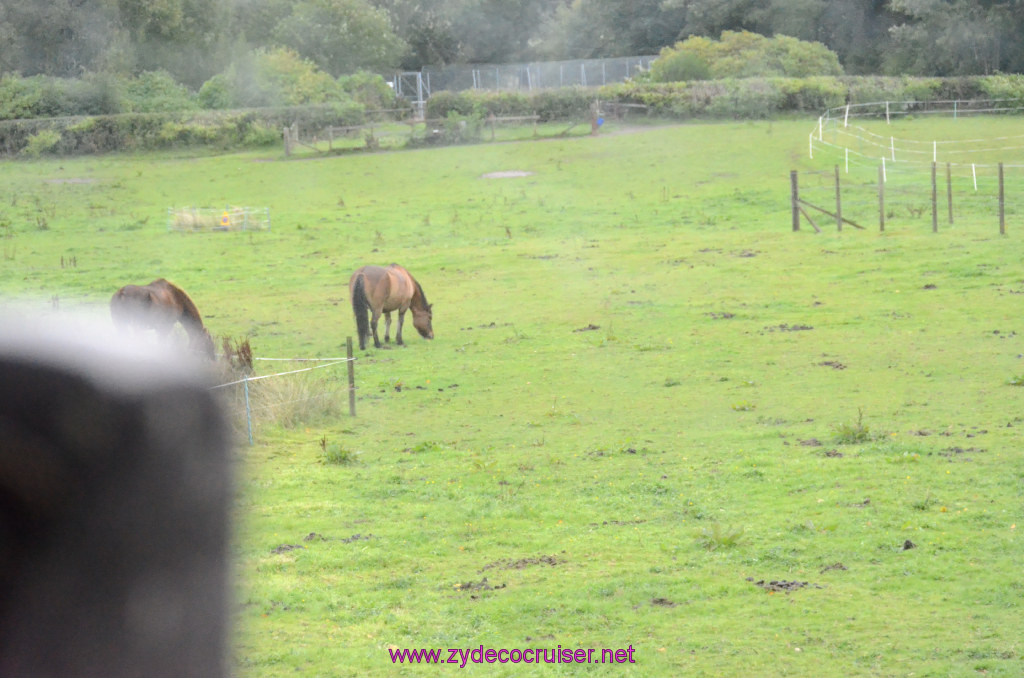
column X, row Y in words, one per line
column 188, row 308
column 419, row 291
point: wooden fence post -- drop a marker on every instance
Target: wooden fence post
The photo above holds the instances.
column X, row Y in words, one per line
column 839, row 204
column 794, row 199
column 935, row 202
column 1002, row 203
column 351, row 378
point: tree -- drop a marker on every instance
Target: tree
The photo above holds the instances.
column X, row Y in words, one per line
column 607, row 28
column 188, row 38
column 498, row 31
column 856, row 30
column 341, row 36
column 955, row 37
column 62, row 38
column 275, row 77
column 426, row 26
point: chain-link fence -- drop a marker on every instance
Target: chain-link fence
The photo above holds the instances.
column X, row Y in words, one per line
column 417, row 86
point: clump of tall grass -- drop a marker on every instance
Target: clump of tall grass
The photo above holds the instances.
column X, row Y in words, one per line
column 717, row 537
column 852, row 433
column 334, row 453
column 295, row 399
column 287, row 400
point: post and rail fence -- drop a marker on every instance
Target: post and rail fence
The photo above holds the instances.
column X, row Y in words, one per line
column 916, row 195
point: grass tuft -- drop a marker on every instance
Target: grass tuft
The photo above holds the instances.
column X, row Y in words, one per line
column 717, row 537
column 853, row 432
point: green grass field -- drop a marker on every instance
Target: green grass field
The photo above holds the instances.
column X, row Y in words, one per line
column 652, row 416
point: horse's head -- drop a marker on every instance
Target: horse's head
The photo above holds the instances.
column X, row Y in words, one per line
column 421, row 320
column 130, row 306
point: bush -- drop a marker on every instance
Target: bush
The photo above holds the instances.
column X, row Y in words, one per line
column 679, row 66
column 157, row 92
column 46, row 97
column 1003, row 87
column 568, row 103
column 441, row 104
column 746, row 99
column 743, row 55
column 810, row 94
column 42, row 142
column 215, row 94
column 370, row 91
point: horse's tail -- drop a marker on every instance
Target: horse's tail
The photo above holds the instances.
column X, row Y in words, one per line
column 361, row 307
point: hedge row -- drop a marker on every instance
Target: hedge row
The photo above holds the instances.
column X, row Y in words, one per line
column 154, row 131
column 767, row 97
column 727, row 99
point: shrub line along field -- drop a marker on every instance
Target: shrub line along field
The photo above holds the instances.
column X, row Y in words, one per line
column 651, row 416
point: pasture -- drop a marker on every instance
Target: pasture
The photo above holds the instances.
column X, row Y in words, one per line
column 651, row 416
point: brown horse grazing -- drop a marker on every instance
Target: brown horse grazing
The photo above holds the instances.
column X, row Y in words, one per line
column 381, row 290
column 158, row 306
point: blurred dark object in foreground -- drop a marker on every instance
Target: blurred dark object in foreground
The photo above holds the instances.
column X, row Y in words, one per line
column 114, row 492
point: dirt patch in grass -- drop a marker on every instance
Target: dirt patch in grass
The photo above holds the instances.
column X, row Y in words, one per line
column 783, row 585
column 618, row 522
column 956, row 452
column 786, row 327
column 285, row 548
column 316, row 536
column 523, row 563
column 482, row 585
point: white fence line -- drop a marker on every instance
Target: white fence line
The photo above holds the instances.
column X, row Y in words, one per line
column 338, row 361
column 852, row 139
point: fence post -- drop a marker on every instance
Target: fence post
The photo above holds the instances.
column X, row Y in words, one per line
column 881, row 199
column 351, row 378
column 839, row 204
column 1002, row 203
column 794, row 199
column 935, row 202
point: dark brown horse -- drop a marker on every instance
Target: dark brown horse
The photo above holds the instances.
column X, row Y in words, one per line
column 158, row 306
column 381, row 290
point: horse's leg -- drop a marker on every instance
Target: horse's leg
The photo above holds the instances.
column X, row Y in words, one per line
column 401, row 319
column 374, row 319
column 387, row 327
